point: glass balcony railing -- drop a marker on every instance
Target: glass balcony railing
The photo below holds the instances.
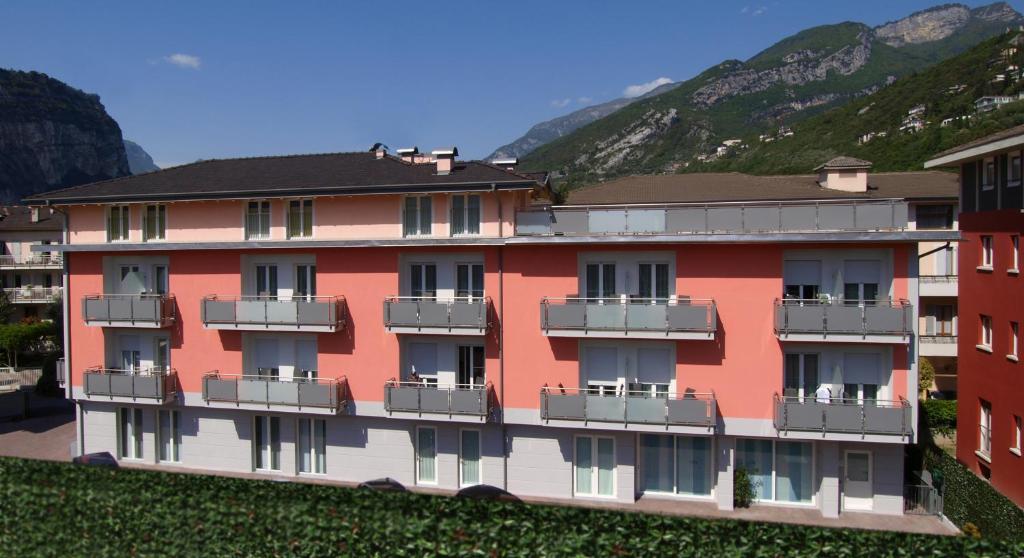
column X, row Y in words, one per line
column 417, row 397
column 647, row 317
column 155, row 384
column 630, row 407
column 840, row 318
column 463, row 315
column 255, row 313
column 129, row 310
column 872, row 416
column 275, row 392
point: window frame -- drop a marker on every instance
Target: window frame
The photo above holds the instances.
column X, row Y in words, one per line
column 257, row 445
column 931, row 211
column 161, row 219
column 465, row 215
column 174, row 426
column 416, row 450
column 479, row 461
column 302, row 219
column 419, row 216
column 710, row 472
column 1014, row 342
column 124, row 223
column 984, row 430
column 987, row 253
column 247, row 233
column 313, row 447
column 988, row 180
column 774, row 500
column 1010, row 158
column 135, row 418
column 595, row 467
column 985, row 333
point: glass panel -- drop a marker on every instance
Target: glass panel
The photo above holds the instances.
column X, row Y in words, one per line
column 307, row 218
column 608, row 280
column 137, row 433
column 850, row 393
column 462, row 280
column 605, row 466
column 810, row 374
column 150, row 222
column 294, row 218
column 645, row 281
column 870, row 293
column 870, row 393
column 584, row 465
column 478, row 281
column 124, row 427
column 658, row 463
column 458, row 214
column 851, row 292
column 693, row 465
column 430, row 289
column 409, row 217
column 160, row 279
column 426, row 455
column 275, row 443
column 793, row 472
column 661, row 280
column 470, row 457
column 416, row 280
column 473, row 215
column 258, row 442
column 857, row 467
column 320, row 445
column 305, row 445
column 426, row 215
column 756, row 457
column 791, row 380
column 593, row 280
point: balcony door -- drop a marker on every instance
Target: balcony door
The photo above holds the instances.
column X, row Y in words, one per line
column 469, row 279
column 939, row 319
column 601, row 370
column 133, row 280
column 306, row 360
column 654, row 373
column 858, row 489
column 861, row 278
column 267, row 359
column 653, row 281
column 801, row 376
column 266, row 281
column 131, row 356
column 422, row 363
column 471, row 366
column 600, row 280
column 802, row 280
column 305, row 282
column 161, row 354
column 160, row 279
column 861, row 378
column 423, row 281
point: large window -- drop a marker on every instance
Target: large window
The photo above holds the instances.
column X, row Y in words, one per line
column 471, row 366
column 417, row 216
column 169, row 435
column 676, row 464
column 312, row 446
column 985, row 429
column 118, row 223
column 801, row 375
column 305, row 281
column 465, row 214
column 129, row 433
column 802, row 279
column 594, row 466
column 600, row 280
column 300, row 219
column 654, row 280
column 426, row 455
column 155, row 225
column 423, row 281
column 781, row 471
column 469, row 279
column 266, row 443
column 257, row 220
column 469, row 457
column 935, row 217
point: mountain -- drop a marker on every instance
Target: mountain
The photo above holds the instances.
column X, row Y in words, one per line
column 138, row 160
column 52, row 136
column 902, row 125
column 794, row 79
column 550, row 130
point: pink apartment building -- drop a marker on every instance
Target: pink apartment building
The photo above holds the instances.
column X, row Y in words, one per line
column 359, row 315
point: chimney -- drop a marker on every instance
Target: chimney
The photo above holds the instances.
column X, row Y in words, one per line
column 35, row 214
column 846, row 174
column 445, row 159
column 507, row 164
column 379, row 149
column 409, row 154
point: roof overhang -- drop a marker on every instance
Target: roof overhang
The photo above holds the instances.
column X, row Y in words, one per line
column 975, row 152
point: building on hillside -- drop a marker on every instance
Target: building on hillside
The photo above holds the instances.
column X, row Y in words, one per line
column 353, row 316
column 990, row 381
column 30, row 280
column 992, row 102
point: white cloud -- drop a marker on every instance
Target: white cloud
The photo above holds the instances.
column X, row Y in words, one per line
column 754, row 12
column 561, row 103
column 641, row 88
column 759, row 11
column 183, row 60
column 585, row 100
column 745, row 9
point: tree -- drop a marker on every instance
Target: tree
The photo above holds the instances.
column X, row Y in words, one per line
column 925, row 375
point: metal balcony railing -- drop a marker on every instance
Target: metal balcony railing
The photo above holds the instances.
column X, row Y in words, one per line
column 458, row 399
column 32, row 260
column 33, row 294
column 149, row 383
column 453, row 314
column 263, row 312
column 628, row 407
column 850, row 416
column 874, row 317
column 719, row 218
column 329, row 393
column 147, row 310
column 652, row 315
column 938, row 278
column 939, row 339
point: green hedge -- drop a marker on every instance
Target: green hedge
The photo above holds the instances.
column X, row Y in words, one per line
column 969, row 499
column 58, row 509
column 940, row 415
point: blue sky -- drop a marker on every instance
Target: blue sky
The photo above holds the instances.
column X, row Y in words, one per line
column 190, row 80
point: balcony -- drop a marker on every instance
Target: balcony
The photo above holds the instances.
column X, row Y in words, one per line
column 732, row 218
column 32, row 261
column 937, row 345
column 880, row 321
column 155, row 386
column 260, row 313
column 844, row 416
column 628, row 318
column 579, row 404
column 457, row 316
column 938, row 285
column 318, row 396
column 33, row 295
column 415, row 397
column 128, row 310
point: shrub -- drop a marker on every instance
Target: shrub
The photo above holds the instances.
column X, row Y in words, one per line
column 47, row 384
column 971, row 503
column 939, row 415
column 925, row 375
column 59, row 509
column 744, row 489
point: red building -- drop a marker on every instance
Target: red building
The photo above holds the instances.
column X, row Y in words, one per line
column 991, row 385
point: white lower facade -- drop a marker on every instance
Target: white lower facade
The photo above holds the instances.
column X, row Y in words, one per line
column 527, row 460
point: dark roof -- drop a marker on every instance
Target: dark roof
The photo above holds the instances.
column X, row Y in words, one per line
column 727, row 187
column 290, row 175
column 843, row 162
column 991, row 138
column 19, row 218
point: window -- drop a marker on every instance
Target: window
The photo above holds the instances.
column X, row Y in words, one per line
column 306, row 359
column 155, row 226
column 801, row 375
column 169, row 435
column 471, row 366
column 118, row 223
column 780, row 471
column 1013, row 171
column 654, row 281
column 861, row 281
column 305, row 282
column 129, row 436
column 988, row 174
column 594, row 466
column 426, row 455
column 300, row 219
column 266, row 281
column 1015, row 448
column 986, row 333
column 423, row 281
column 161, row 354
column 469, row 457
column 313, row 446
column 939, row 320
column 801, row 280
column 985, row 429
column 266, row 443
column 160, row 279
column 465, row 214
column 417, row 216
column 1014, row 341
column 676, row 464
column 935, row 217
column 1015, row 253
column 986, row 252
column 257, row 220
column 600, row 280
column 421, row 363
column 469, row 281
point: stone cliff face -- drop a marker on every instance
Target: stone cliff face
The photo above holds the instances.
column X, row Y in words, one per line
column 138, row 160
column 925, row 26
column 53, row 136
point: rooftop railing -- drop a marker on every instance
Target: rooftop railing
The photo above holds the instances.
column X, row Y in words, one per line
column 458, row 399
column 457, row 314
column 628, row 407
column 837, row 317
column 31, row 260
column 144, row 310
column 629, row 315
column 849, row 416
column 272, row 391
column 32, row 294
column 723, row 218
column 149, row 383
column 264, row 312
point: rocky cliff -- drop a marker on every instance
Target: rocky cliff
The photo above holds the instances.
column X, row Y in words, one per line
column 138, row 160
column 53, row 136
